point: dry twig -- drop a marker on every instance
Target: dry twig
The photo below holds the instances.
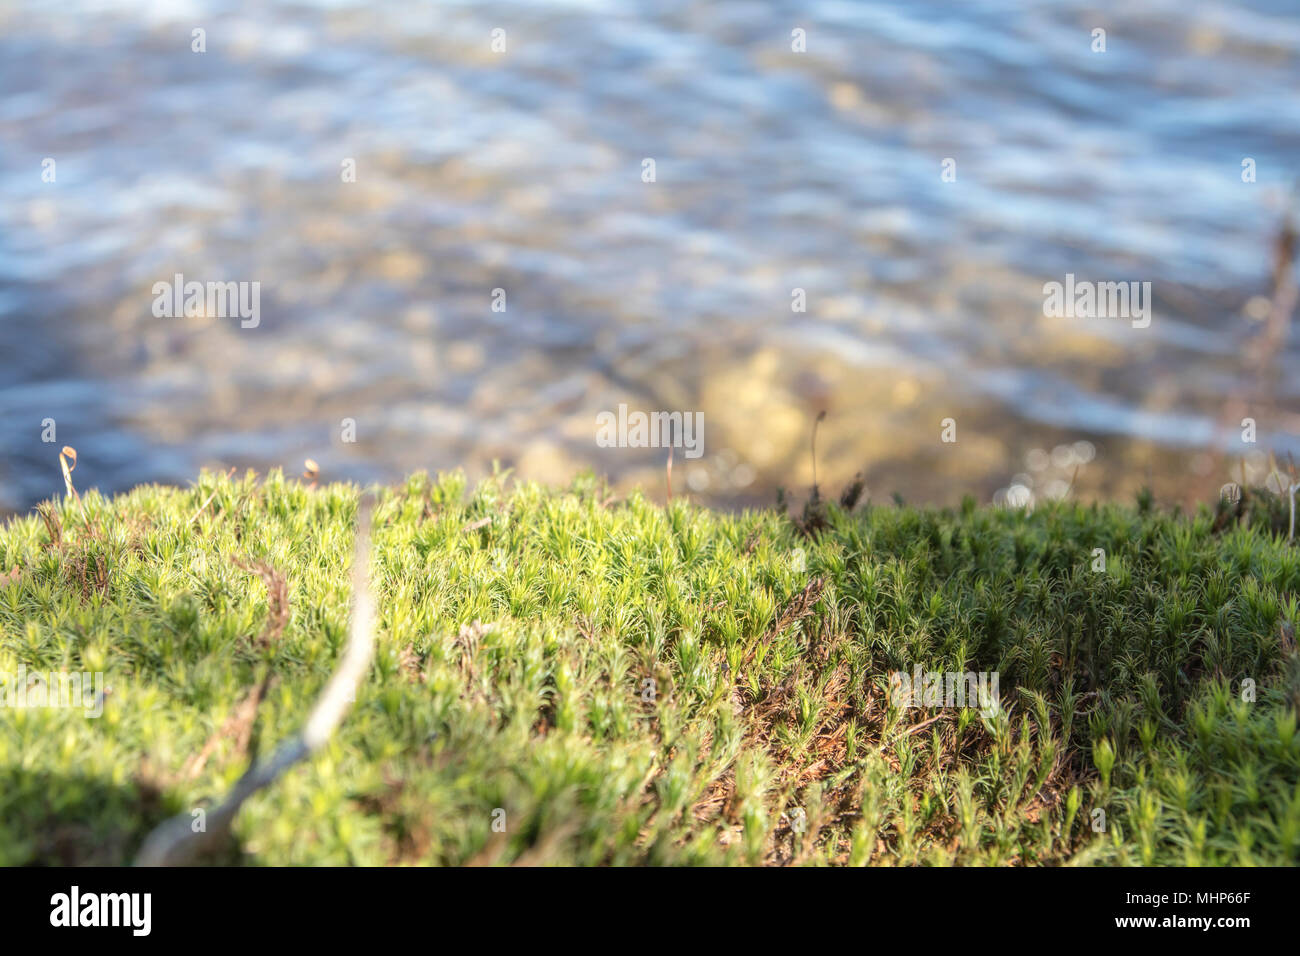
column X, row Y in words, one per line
column 174, row 843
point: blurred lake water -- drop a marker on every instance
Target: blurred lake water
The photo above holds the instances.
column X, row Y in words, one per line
column 775, row 170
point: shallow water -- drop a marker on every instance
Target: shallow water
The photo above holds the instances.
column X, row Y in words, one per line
column 522, row 171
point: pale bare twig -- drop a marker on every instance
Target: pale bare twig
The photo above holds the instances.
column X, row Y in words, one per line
column 1293, row 488
column 174, row 843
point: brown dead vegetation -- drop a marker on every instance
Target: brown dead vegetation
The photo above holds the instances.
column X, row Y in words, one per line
column 277, row 601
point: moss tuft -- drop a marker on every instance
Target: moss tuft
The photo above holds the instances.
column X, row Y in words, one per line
column 563, row 678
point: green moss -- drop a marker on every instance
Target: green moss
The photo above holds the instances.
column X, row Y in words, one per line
column 630, row 684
